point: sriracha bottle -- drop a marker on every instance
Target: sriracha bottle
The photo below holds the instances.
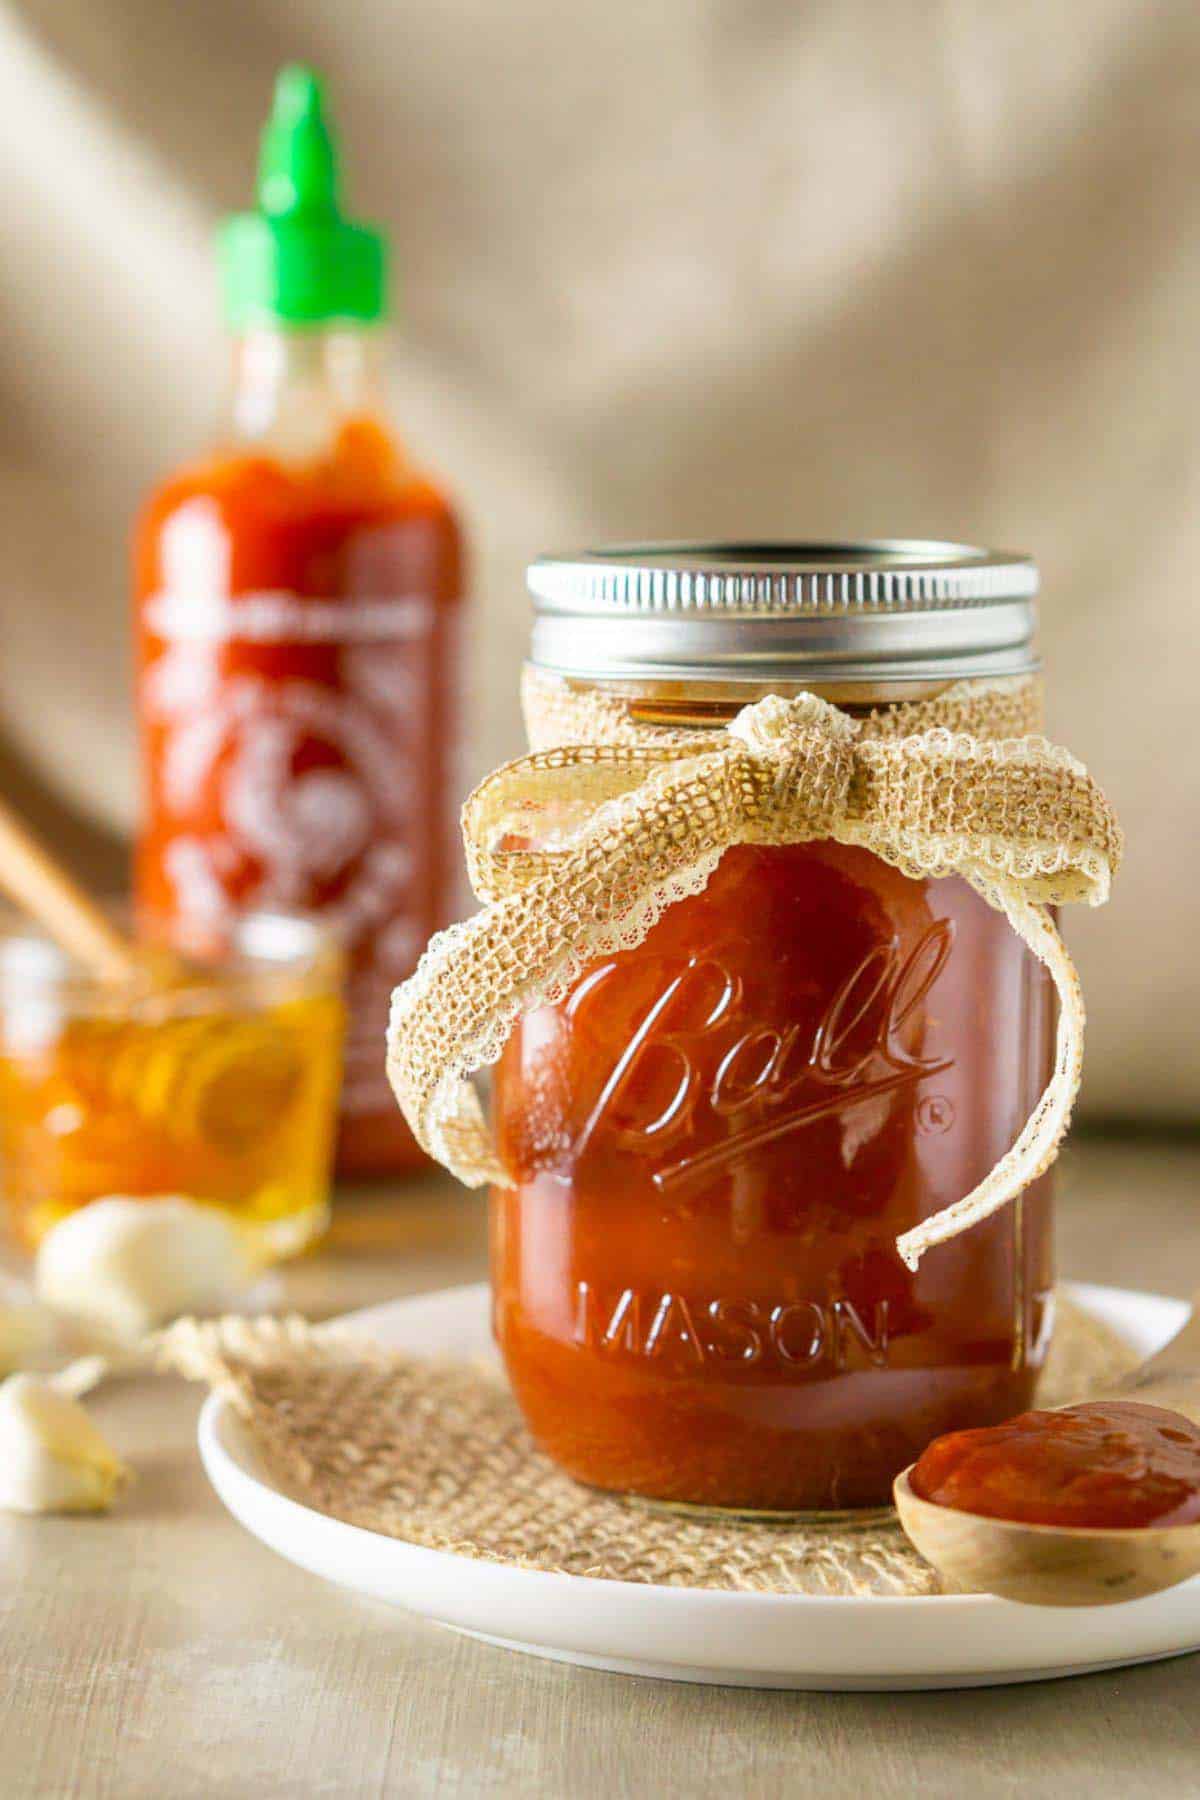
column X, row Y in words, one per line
column 297, row 596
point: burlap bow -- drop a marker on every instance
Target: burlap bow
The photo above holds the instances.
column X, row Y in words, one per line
column 625, row 829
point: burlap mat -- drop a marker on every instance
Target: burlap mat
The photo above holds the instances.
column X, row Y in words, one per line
column 436, row 1454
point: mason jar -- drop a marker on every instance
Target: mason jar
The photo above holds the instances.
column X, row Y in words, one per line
column 714, row 1139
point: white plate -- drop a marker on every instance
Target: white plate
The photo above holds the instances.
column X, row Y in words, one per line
column 682, row 1634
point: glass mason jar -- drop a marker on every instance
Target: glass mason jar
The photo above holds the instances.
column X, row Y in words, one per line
column 715, row 1138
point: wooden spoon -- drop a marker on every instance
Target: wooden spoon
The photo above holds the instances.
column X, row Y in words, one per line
column 1059, row 1565
column 41, row 887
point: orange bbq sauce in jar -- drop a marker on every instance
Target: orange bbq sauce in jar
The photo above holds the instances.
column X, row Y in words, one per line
column 715, row 1138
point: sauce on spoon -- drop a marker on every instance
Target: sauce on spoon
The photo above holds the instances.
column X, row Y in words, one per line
column 1111, row 1464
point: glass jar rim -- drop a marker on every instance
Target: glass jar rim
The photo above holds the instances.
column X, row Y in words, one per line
column 266, row 949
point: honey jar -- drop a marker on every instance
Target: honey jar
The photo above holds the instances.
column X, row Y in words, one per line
column 220, row 1085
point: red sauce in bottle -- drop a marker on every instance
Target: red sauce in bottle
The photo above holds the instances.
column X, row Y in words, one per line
column 296, row 661
column 716, row 1138
column 296, row 601
column 1114, row 1464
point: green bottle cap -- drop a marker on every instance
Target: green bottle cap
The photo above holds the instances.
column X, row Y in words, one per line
column 297, row 260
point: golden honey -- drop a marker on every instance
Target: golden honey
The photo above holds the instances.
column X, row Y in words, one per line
column 222, row 1088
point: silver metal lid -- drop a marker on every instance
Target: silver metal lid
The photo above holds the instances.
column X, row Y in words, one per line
column 878, row 611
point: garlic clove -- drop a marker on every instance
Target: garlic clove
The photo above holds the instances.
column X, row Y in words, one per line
column 52, row 1457
column 129, row 1265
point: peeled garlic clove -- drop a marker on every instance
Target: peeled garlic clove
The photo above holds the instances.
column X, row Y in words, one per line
column 52, row 1458
column 128, row 1265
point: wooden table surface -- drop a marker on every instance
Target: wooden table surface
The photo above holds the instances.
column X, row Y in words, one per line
column 161, row 1652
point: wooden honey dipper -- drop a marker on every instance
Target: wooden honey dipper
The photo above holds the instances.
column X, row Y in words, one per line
column 37, row 882
column 263, row 1060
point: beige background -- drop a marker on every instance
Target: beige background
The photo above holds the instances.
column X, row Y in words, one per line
column 680, row 267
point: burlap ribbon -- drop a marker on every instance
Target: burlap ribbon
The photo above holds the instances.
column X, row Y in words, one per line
column 625, row 828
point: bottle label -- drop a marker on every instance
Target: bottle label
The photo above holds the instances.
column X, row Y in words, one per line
column 291, row 747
